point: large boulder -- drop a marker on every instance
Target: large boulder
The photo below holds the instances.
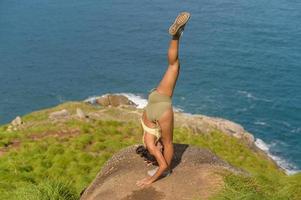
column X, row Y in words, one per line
column 114, row 100
column 194, row 175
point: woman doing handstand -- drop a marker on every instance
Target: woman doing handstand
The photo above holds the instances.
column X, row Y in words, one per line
column 158, row 118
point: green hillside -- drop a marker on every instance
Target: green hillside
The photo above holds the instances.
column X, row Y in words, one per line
column 46, row 159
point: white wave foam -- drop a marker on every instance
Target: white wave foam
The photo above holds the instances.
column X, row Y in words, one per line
column 296, row 130
column 261, row 145
column 251, row 96
column 247, row 94
column 92, row 99
column 260, row 123
column 289, row 168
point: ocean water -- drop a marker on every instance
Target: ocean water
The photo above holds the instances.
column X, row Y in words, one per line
column 240, row 60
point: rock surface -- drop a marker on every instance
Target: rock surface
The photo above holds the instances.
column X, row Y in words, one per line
column 59, row 114
column 205, row 124
column 80, row 113
column 15, row 124
column 17, row 121
column 114, row 100
column 196, row 173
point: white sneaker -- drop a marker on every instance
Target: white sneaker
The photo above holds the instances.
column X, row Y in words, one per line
column 179, row 23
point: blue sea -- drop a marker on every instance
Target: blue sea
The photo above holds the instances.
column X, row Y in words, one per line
column 240, row 60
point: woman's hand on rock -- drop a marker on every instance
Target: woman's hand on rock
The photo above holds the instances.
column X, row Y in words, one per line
column 144, row 182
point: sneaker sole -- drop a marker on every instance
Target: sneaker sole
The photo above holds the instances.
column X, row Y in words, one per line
column 173, row 29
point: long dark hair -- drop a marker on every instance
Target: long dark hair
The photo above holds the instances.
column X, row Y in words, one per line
column 144, row 153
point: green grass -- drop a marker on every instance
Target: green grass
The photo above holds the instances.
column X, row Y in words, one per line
column 266, row 180
column 45, row 190
column 77, row 158
column 61, row 167
column 238, row 187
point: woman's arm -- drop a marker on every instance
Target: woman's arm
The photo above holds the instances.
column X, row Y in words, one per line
column 162, row 167
column 162, row 164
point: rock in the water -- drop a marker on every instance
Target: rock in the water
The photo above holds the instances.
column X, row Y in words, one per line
column 194, row 175
column 80, row 113
column 114, row 100
column 59, row 114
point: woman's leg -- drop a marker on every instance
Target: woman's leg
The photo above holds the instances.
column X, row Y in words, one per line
column 168, row 82
column 166, row 86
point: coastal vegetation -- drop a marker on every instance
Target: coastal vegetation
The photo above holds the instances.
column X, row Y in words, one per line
column 58, row 159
